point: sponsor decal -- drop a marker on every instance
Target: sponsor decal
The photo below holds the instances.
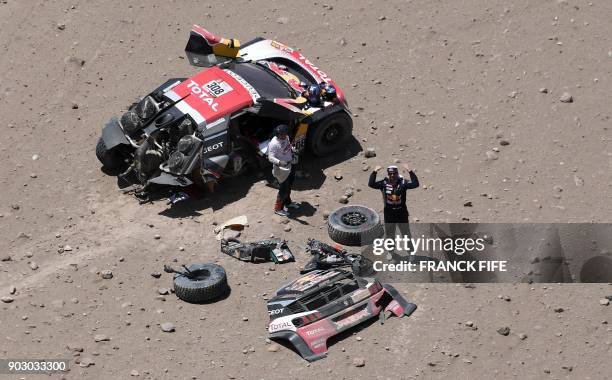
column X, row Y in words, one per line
column 279, row 46
column 213, row 147
column 310, row 65
column 202, row 93
column 276, row 311
column 315, row 331
column 281, row 326
column 252, row 91
column 351, row 319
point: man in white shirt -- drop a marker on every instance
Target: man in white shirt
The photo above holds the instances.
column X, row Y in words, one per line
column 280, row 154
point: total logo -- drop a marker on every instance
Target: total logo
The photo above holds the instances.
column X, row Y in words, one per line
column 315, row 331
column 281, row 326
column 307, row 62
column 202, row 93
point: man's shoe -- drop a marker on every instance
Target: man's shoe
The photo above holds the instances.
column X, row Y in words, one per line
column 281, row 212
column 293, row 205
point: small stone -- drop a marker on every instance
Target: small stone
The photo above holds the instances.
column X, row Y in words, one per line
column 157, row 236
column 370, row 152
column 365, row 168
column 544, row 90
column 6, row 258
column 244, row 319
column 12, row 289
column 359, row 362
column 163, row 291
column 101, row 338
column 505, row 331
column 522, row 336
column 273, row 347
column 604, row 302
column 61, row 26
column 559, row 310
column 7, row 299
column 359, row 339
column 167, row 327
column 343, row 199
column 67, row 248
column 566, row 97
column 504, row 142
column 156, row 274
column 75, row 106
column 467, row 204
column 33, row 265
column 342, row 42
column 469, row 323
column 578, row 181
column 106, row 274
column 287, row 228
column 35, row 157
column 86, row 362
column 33, row 175
column 326, row 214
column 491, row 155
column 338, row 176
column 382, row 18
column 134, row 373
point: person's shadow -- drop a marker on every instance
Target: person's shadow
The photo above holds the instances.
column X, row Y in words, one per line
column 230, row 190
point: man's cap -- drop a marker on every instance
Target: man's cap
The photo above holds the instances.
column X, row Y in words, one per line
column 392, row 169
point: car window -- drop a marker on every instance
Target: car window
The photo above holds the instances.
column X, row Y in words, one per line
column 266, row 83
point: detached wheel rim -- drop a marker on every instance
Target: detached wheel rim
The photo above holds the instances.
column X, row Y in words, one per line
column 354, row 218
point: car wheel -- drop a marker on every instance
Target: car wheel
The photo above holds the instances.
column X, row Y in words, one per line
column 110, row 159
column 330, row 134
column 207, row 283
column 354, row 225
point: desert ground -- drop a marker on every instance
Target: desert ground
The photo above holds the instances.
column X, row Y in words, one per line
column 468, row 93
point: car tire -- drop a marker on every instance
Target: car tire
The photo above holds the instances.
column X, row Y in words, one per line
column 354, row 225
column 210, row 283
column 110, row 159
column 330, row 134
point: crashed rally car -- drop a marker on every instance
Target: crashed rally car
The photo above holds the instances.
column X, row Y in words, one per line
column 320, row 304
column 218, row 123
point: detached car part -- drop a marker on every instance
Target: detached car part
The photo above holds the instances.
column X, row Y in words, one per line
column 199, row 283
column 311, row 309
column 325, row 256
column 354, row 225
column 259, row 251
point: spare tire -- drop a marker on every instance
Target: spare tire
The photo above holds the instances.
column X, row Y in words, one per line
column 207, row 282
column 354, row 225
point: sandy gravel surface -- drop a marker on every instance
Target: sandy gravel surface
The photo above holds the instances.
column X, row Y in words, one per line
column 466, row 92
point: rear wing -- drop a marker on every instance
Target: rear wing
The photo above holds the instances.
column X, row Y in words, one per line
column 204, row 49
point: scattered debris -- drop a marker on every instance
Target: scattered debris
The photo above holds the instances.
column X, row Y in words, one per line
column 167, row 327
column 106, row 274
column 505, row 331
column 566, row 97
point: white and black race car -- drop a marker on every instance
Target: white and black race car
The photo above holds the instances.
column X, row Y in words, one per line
column 218, row 122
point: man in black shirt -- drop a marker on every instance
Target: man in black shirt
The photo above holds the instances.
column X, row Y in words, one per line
column 393, row 189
